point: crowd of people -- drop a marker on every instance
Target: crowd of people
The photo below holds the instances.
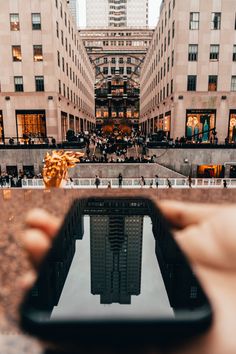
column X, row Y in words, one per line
column 14, row 180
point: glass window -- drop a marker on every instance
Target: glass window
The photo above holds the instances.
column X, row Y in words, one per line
column 38, row 52
column 212, row 83
column 214, row 52
column 194, row 20
column 105, row 60
column 14, row 22
column 18, row 82
column 129, row 70
column 233, row 83
column 215, row 20
column 16, row 53
column 121, row 60
column 39, row 83
column 234, row 53
column 232, row 127
column 113, row 60
column 200, row 125
column 36, row 21
column 57, row 29
column 193, row 52
column 192, row 83
column 105, row 70
column 31, row 124
column 1, row 128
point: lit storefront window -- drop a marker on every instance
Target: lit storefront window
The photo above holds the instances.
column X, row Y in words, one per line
column 64, row 125
column 1, row 128
column 232, row 127
column 210, row 171
column 164, row 123
column 31, row 124
column 200, row 125
column 71, row 122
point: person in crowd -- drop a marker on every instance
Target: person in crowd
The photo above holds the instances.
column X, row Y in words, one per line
column 120, row 180
column 142, row 182
column 156, row 181
column 212, row 256
column 225, row 183
column 169, row 183
column 109, row 185
column 190, row 181
column 97, row 181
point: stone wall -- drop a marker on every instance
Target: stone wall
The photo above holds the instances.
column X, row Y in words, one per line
column 186, row 161
column 183, row 161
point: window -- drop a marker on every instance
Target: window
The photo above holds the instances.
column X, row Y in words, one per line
column 62, row 37
column 234, row 53
column 105, row 70
column 58, row 59
column 59, row 86
column 16, row 53
column 113, row 70
column 14, row 22
column 233, row 83
column 212, row 83
column 105, row 60
column 57, row 29
column 36, row 21
column 38, row 52
column 215, row 20
column 31, row 124
column 113, row 60
column 192, row 52
column 121, row 60
column 214, row 52
column 129, row 60
column 194, row 20
column 173, row 29
column 192, row 83
column 18, row 81
column 39, row 83
column 172, row 58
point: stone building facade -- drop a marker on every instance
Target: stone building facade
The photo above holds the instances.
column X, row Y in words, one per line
column 188, row 80
column 47, row 80
column 117, row 55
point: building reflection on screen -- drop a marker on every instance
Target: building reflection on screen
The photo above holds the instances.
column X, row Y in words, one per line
column 116, row 235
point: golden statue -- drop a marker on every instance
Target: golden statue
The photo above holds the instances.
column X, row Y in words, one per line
column 56, row 166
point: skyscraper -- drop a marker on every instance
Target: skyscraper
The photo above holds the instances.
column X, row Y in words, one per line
column 116, row 252
column 73, row 6
column 117, row 13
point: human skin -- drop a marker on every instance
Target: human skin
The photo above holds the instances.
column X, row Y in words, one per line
column 206, row 234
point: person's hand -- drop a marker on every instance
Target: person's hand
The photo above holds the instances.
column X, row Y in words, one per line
column 207, row 235
column 41, row 227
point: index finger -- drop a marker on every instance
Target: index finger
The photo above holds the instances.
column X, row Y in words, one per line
column 181, row 215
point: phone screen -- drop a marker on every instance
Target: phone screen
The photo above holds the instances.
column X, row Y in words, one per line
column 115, row 259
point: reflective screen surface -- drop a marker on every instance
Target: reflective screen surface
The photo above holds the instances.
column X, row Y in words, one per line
column 115, row 259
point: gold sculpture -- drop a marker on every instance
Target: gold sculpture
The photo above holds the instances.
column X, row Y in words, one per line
column 56, row 166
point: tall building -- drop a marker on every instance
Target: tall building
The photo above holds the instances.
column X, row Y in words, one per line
column 117, row 55
column 188, row 80
column 117, row 13
column 73, row 6
column 47, row 80
column 116, row 253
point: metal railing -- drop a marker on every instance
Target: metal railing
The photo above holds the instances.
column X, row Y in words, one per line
column 177, row 183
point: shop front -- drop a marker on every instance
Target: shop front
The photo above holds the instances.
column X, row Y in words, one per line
column 210, row 171
column 64, row 125
column 232, row 126
column 1, row 128
column 31, row 125
column 200, row 125
column 163, row 123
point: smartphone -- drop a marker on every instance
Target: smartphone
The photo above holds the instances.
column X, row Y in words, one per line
column 115, row 274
